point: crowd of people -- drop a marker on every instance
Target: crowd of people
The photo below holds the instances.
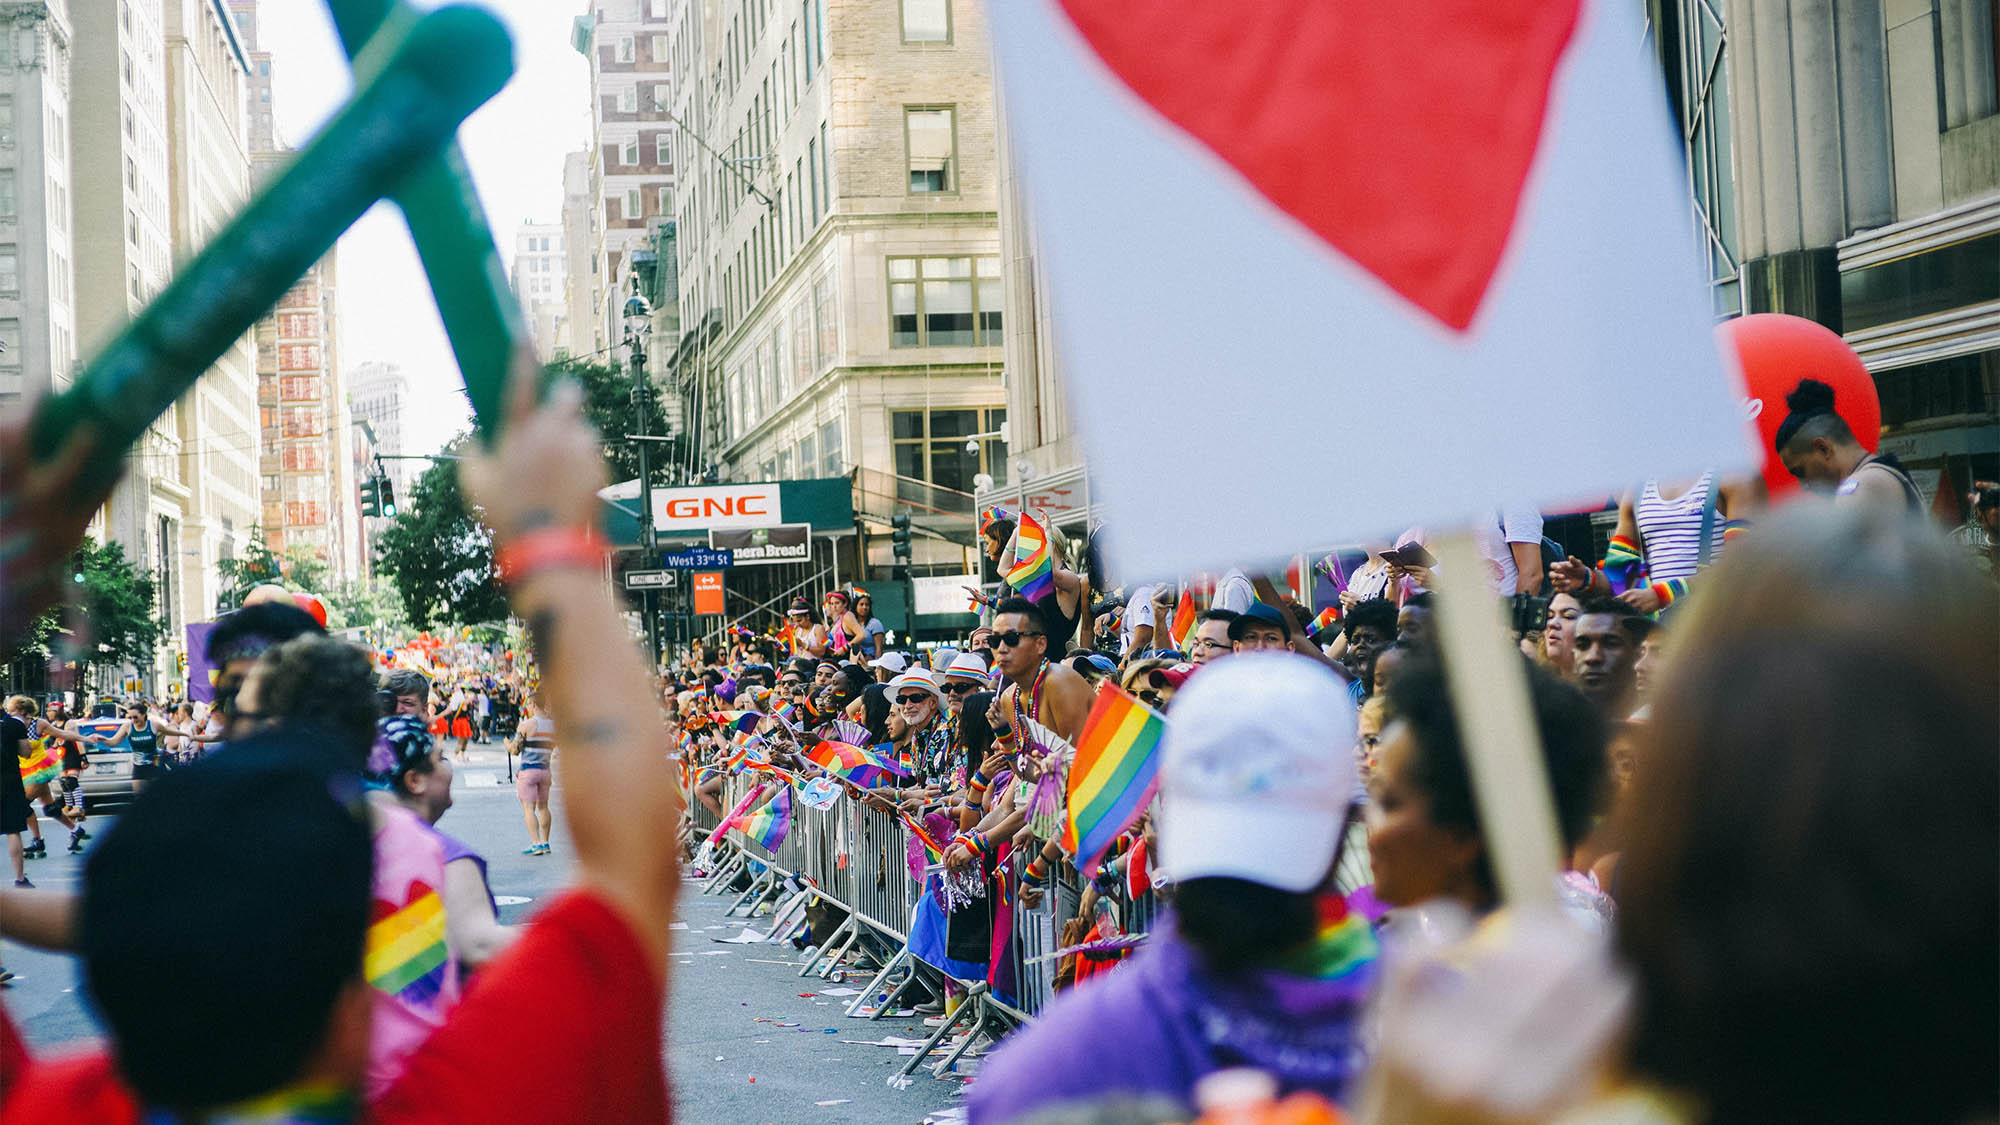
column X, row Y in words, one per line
column 1768, row 737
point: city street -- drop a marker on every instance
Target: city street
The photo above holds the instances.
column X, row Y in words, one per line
column 730, row 1059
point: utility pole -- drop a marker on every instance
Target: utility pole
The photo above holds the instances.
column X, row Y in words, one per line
column 638, row 323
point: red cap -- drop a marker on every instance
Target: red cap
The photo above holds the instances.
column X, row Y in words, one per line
column 1173, row 676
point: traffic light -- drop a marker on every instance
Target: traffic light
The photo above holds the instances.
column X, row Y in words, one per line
column 371, row 496
column 900, row 537
column 388, row 490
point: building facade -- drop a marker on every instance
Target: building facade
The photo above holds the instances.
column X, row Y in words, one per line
column 582, row 289
column 309, row 493
column 38, row 347
column 631, row 149
column 378, row 393
column 839, row 257
column 539, row 277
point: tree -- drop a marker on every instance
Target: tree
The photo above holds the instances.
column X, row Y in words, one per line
column 254, row 567
column 439, row 556
column 607, row 402
column 114, row 618
column 363, row 605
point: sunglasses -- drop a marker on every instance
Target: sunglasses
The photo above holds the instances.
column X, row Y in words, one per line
column 1012, row 637
column 1151, row 698
column 958, row 689
column 913, row 700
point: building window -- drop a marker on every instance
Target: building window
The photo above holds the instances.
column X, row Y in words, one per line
column 663, row 150
column 625, row 49
column 633, row 209
column 166, row 544
column 806, row 44
column 659, row 97
column 808, row 454
column 830, row 461
column 931, row 446
column 823, row 321
column 9, row 208
column 939, row 302
column 931, row 140
column 628, row 100
column 659, row 48
column 10, row 270
column 812, row 166
column 6, row 120
column 667, row 200
column 629, row 157
column 926, row 21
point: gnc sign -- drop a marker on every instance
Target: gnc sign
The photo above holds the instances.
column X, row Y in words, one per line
column 723, row 507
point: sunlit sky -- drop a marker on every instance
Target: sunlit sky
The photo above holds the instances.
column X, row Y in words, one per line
column 515, row 145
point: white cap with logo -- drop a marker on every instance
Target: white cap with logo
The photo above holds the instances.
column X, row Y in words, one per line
column 1256, row 772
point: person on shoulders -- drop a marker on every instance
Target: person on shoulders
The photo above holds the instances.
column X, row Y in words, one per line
column 1819, row 449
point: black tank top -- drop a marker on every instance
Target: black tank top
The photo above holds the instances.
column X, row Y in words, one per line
column 145, row 745
column 1061, row 627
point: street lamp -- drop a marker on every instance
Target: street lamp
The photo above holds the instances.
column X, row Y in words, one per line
column 638, row 326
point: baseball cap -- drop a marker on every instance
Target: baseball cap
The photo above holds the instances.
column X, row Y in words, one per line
column 967, row 666
column 1256, row 772
column 1258, row 614
column 1173, row 675
column 942, row 657
column 915, row 678
column 1096, row 661
column 895, row 662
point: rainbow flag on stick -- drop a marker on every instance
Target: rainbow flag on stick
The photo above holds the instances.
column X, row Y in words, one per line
column 1034, row 569
column 770, row 823
column 864, row 768
column 1327, row 619
column 932, row 849
column 1184, row 615
column 1116, row 769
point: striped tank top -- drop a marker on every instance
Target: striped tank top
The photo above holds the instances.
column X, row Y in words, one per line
column 1671, row 529
column 536, row 748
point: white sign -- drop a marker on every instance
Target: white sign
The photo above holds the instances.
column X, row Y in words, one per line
column 682, row 510
column 943, row 593
column 1428, row 229
column 649, row 579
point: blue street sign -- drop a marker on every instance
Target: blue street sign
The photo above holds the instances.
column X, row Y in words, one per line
column 697, row 558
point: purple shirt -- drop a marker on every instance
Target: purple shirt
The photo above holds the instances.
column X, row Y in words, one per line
column 455, row 848
column 1156, row 1024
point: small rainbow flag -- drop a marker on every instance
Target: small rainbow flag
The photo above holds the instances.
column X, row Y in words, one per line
column 1327, row 619
column 1116, row 769
column 932, row 848
column 990, row 513
column 1183, row 619
column 771, row 822
column 1034, row 569
column 744, row 721
column 864, row 768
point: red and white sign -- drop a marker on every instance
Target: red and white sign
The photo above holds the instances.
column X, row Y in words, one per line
column 722, row 507
column 1459, row 228
column 708, row 591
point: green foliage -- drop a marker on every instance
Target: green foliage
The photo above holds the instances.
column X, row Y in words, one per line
column 114, row 618
column 438, row 556
column 249, row 570
column 607, row 402
column 364, row 605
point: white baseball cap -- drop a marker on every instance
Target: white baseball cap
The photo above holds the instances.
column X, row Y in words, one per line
column 916, row 678
column 895, row 662
column 942, row 656
column 1256, row 772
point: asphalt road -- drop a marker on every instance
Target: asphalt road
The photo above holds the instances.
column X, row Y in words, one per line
column 729, row 1059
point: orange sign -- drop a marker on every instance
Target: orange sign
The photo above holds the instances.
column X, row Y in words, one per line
column 708, row 591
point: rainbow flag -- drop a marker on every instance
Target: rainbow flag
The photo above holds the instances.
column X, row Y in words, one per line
column 1116, row 768
column 1327, row 619
column 1183, row 625
column 406, row 954
column 771, row 822
column 744, row 721
column 932, row 849
column 864, row 768
column 990, row 513
column 1034, row 569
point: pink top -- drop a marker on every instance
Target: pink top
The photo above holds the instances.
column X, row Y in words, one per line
column 408, row 963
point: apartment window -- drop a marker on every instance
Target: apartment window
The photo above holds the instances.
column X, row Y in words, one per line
column 132, row 226
column 625, row 49
column 10, row 343
column 9, row 207
column 812, row 165
column 929, row 136
column 630, row 155
column 666, row 200
column 808, row 454
column 663, row 150
column 10, row 270
column 805, row 45
column 802, row 344
column 632, row 206
column 656, row 10
column 926, row 21
column 939, row 302
column 930, row 446
column 6, row 119
column 825, row 169
column 659, row 97
column 131, row 174
column 829, row 450
column 827, row 328
column 659, row 48
column 628, row 100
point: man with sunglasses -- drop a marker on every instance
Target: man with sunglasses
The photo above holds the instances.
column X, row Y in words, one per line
column 966, row 675
column 919, row 704
column 1050, row 693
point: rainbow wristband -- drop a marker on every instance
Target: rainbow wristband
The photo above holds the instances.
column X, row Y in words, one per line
column 1670, row 591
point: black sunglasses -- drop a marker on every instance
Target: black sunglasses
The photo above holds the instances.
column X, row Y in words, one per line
column 958, row 689
column 913, row 700
column 1012, row 637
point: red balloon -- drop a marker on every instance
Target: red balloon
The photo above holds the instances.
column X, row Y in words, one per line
column 311, row 604
column 1775, row 351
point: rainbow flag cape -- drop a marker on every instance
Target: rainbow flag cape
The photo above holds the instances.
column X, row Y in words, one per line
column 864, row 768
column 1034, row 569
column 1183, row 619
column 771, row 822
column 1116, row 769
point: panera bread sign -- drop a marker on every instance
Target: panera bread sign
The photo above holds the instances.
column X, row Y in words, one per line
column 725, row 507
column 764, row 546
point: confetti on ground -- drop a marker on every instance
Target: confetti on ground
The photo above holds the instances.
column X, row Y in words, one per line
column 840, row 992
column 836, row 1101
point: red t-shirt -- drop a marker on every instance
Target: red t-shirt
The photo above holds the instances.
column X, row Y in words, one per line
column 578, row 977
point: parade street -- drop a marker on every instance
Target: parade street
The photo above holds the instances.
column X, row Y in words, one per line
column 731, row 1059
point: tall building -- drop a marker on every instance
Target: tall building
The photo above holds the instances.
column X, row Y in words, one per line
column 581, row 285
column 839, row 255
column 1866, row 151
column 37, row 257
column 541, row 266
column 377, row 393
column 310, row 498
column 631, row 149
